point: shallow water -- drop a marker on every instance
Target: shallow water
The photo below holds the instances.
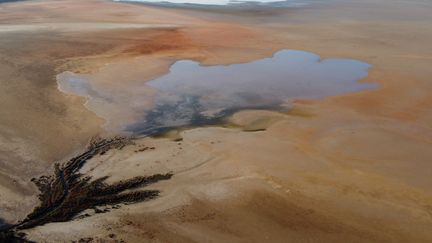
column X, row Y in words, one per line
column 194, row 94
column 220, row 2
column 6, row 1
column 206, row 2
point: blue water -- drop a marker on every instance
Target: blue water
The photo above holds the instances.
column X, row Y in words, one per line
column 289, row 3
column 6, row 1
column 287, row 74
column 195, row 94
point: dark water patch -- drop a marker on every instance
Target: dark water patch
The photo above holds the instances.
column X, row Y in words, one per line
column 185, row 113
column 7, row 1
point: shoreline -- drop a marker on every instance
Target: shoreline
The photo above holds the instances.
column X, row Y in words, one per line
column 101, row 95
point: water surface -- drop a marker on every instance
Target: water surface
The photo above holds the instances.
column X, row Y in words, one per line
column 203, row 2
column 220, row 2
column 195, row 94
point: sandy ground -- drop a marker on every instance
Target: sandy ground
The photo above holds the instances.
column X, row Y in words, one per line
column 46, row 125
column 354, row 168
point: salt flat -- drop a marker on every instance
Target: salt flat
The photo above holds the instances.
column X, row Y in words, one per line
column 351, row 167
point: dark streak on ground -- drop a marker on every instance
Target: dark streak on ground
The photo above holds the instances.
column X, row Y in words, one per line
column 186, row 113
column 67, row 193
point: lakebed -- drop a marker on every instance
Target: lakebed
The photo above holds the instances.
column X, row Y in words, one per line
column 350, row 167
